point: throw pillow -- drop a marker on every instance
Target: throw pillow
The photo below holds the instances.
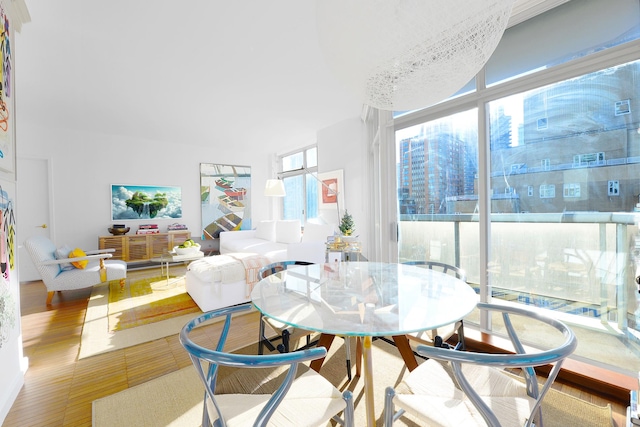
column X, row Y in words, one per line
column 266, row 230
column 77, row 253
column 61, row 253
column 316, row 232
column 288, row 231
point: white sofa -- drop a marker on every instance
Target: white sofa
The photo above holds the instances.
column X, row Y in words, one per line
column 226, row 280
column 280, row 240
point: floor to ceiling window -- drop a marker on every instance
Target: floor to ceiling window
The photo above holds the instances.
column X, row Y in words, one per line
column 437, row 168
column 562, row 178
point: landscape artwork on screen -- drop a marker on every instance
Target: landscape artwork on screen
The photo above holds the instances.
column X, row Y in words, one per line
column 225, row 194
column 145, row 202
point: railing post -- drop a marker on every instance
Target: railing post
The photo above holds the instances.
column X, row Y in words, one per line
column 456, row 239
column 601, row 267
column 622, row 259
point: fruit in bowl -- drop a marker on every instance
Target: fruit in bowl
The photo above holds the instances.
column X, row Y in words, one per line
column 188, row 247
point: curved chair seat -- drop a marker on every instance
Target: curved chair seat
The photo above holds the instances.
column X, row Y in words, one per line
column 98, row 270
column 286, row 394
column 455, row 387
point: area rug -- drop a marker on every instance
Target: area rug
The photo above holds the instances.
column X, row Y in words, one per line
column 97, row 335
column 148, row 300
column 175, row 399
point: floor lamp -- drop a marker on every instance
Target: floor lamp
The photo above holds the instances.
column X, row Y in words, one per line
column 274, row 188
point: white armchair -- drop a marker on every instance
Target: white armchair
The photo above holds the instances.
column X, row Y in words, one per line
column 43, row 253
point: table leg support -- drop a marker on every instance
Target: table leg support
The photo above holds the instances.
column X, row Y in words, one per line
column 324, row 341
column 402, row 343
column 368, row 381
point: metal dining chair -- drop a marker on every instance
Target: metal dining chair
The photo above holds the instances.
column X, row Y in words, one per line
column 285, row 333
column 441, row 334
column 287, row 394
column 454, row 387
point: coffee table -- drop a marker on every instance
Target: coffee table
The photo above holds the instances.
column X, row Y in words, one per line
column 170, row 257
column 364, row 299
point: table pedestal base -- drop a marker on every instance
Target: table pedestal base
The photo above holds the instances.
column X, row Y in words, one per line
column 363, row 352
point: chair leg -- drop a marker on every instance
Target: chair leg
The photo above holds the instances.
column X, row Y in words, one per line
column 389, row 407
column 347, row 348
column 284, row 347
column 262, row 339
column 50, row 297
column 461, row 343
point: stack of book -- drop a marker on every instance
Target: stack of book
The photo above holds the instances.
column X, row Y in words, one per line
column 148, row 229
column 633, row 419
column 176, row 226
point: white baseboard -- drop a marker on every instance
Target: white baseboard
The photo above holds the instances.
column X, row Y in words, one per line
column 14, row 388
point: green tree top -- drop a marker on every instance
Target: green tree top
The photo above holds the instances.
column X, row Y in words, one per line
column 347, row 227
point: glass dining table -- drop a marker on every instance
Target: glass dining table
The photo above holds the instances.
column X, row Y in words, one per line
column 366, row 300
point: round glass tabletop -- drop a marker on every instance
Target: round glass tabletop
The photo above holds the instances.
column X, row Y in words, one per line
column 364, row 298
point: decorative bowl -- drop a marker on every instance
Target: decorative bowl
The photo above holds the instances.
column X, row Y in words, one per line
column 186, row 251
column 118, row 231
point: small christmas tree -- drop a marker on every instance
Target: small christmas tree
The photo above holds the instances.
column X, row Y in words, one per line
column 347, row 227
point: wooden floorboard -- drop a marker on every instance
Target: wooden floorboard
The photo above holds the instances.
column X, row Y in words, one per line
column 59, row 388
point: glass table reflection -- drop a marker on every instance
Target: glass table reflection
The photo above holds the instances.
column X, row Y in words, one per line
column 364, row 299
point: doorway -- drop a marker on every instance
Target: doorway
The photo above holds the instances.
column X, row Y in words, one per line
column 33, row 197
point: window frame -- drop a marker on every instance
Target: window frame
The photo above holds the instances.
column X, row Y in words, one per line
column 307, row 168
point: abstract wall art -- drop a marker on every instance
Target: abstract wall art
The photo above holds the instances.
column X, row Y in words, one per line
column 225, row 194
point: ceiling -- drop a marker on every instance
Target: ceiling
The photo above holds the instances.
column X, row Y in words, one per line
column 200, row 72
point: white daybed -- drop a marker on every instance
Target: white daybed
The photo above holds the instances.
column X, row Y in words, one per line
column 223, row 280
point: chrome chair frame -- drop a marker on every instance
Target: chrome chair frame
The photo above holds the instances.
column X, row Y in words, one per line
column 460, row 274
column 217, row 357
column 521, row 359
column 263, row 341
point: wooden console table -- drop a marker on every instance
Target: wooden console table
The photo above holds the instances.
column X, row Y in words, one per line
column 142, row 247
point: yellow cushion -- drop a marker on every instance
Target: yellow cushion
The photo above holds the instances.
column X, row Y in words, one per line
column 77, row 253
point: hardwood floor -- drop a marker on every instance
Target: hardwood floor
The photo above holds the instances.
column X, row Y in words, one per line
column 59, row 388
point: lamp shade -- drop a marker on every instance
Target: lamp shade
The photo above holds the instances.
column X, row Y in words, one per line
column 274, row 188
column 409, row 54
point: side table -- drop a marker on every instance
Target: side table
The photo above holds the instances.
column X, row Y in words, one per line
column 344, row 249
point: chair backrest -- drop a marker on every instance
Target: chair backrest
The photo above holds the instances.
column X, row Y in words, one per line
column 279, row 266
column 42, row 249
column 208, row 360
column 442, row 267
column 521, row 359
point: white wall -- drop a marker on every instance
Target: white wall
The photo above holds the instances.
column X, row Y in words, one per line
column 343, row 146
column 84, row 166
column 12, row 362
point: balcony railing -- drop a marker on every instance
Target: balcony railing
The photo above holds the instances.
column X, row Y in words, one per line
column 582, row 264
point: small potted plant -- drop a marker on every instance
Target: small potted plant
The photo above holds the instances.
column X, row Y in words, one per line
column 347, row 226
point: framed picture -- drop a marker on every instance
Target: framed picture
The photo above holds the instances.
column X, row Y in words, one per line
column 331, row 191
column 145, row 202
column 9, row 294
column 225, row 194
column 7, row 102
